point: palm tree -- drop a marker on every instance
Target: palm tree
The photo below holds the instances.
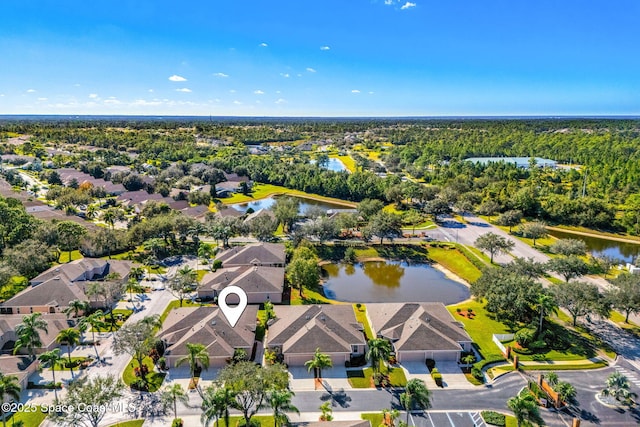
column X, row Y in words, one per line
column 197, row 355
column 9, row 387
column 318, row 363
column 416, row 394
column 137, row 272
column 28, row 335
column 174, row 394
column 546, row 304
column 70, row 337
column 280, row 402
column 50, row 359
column 216, row 402
column 379, row 351
column 95, row 320
column 524, row 408
column 618, row 387
column 75, row 307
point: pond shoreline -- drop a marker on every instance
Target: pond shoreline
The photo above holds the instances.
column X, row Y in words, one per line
column 594, row 235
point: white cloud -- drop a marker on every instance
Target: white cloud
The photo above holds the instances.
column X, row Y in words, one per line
column 263, row 45
column 324, row 48
column 355, row 91
column 311, row 70
column 388, row 2
column 31, row 90
column 285, row 75
column 221, row 75
column 184, row 89
column 237, row 102
column 407, row 5
column 1, row 94
column 77, row 85
column 278, row 91
column 42, row 99
column 258, row 92
column 145, row 103
column 232, row 91
column 281, row 101
column 93, row 95
column 150, row 91
column 258, row 102
column 371, row 92
column 176, row 78
column 112, row 101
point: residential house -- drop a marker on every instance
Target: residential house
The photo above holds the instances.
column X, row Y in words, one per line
column 208, row 326
column 19, row 366
column 299, row 330
column 419, row 331
column 261, row 254
column 260, row 283
column 259, row 213
column 53, row 290
column 55, row 323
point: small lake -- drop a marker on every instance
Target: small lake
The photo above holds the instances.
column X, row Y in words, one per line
column 268, row 203
column 388, row 281
column 334, row 164
column 622, row 251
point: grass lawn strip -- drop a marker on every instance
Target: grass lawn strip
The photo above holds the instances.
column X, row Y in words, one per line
column 154, row 379
column 132, row 423
column 362, row 378
column 30, row 419
column 361, row 316
column 262, row 191
column 456, row 262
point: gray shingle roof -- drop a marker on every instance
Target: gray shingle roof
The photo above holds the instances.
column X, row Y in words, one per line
column 417, row 326
column 259, row 253
column 302, row 329
column 248, row 278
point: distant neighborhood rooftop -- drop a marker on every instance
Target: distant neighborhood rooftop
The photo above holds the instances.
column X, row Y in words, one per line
column 521, row 162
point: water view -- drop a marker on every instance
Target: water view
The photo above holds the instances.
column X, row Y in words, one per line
column 623, row 251
column 334, row 164
column 268, row 203
column 380, row 281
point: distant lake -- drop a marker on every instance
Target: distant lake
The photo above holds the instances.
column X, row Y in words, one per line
column 389, row 281
column 623, row 251
column 335, row 165
column 268, row 203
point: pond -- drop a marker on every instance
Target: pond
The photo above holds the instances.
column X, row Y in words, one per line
column 335, row 165
column 622, row 251
column 388, row 281
column 268, row 203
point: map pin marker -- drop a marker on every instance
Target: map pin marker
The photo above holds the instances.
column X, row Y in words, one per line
column 232, row 313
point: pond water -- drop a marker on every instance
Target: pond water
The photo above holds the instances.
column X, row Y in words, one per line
column 623, row 251
column 334, row 164
column 268, row 203
column 387, row 281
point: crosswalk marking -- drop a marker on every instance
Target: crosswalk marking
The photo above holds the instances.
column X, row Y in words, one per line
column 479, row 422
column 631, row 376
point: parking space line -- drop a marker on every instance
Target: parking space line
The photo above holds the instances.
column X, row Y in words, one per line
column 431, row 420
column 450, row 420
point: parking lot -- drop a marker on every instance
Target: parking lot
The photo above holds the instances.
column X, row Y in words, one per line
column 447, row 419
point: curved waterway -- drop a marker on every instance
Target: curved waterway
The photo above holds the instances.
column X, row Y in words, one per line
column 390, row 281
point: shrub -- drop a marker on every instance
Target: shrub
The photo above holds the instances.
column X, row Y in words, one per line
column 525, row 336
column 140, row 385
column 177, row 422
column 216, row 265
column 538, row 345
column 494, row 418
column 437, row 377
column 477, row 374
column 350, row 255
column 430, row 364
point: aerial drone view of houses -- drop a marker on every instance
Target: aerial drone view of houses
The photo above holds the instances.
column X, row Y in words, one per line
column 376, row 292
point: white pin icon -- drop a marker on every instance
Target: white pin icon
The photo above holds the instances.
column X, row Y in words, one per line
column 232, row 313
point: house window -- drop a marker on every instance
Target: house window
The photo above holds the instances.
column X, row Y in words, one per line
column 30, row 309
column 354, row 349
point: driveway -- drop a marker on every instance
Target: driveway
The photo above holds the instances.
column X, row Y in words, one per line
column 335, row 378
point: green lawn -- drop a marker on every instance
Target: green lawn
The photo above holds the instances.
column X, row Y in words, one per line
column 348, row 162
column 14, row 285
column 361, row 378
column 64, row 256
column 375, row 418
column 262, row 191
column 310, row 297
column 120, row 313
column 264, row 420
column 74, row 360
column 132, row 423
column 361, row 316
column 481, row 328
column 260, row 328
column 30, row 419
column 456, row 262
column 154, row 379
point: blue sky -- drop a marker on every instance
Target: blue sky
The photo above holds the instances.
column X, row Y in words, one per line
column 320, row 58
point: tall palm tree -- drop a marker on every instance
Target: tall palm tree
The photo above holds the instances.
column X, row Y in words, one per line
column 524, row 408
column 95, row 321
column 9, row 387
column 174, row 394
column 416, row 394
column 216, row 402
column 70, row 337
column 50, row 359
column 318, row 363
column 546, row 304
column 28, row 335
column 197, row 356
column 280, row 402
column 75, row 307
column 379, row 351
